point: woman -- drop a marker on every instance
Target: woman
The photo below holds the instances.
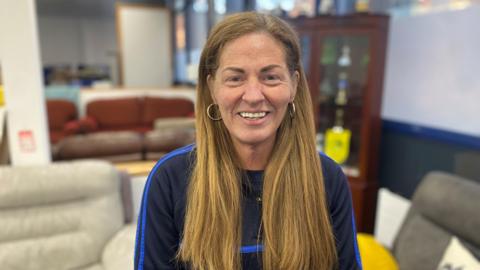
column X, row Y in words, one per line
column 253, row 193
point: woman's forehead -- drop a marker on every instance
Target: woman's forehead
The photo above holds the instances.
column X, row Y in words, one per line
column 254, row 48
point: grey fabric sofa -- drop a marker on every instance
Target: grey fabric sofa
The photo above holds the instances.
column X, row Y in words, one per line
column 67, row 215
column 444, row 205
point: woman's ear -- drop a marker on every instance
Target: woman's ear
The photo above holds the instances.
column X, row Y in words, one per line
column 210, row 83
column 295, row 80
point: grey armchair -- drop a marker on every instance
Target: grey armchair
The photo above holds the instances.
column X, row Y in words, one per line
column 444, row 205
column 66, row 215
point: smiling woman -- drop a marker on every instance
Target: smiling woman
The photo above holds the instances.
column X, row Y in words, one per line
column 252, row 193
column 253, row 87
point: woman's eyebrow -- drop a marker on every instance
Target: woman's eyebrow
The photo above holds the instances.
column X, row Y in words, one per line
column 234, row 69
column 262, row 70
column 269, row 67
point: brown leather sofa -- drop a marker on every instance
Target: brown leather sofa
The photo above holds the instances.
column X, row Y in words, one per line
column 122, row 129
column 60, row 113
column 135, row 114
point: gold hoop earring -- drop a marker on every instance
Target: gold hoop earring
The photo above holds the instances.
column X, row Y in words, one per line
column 209, row 114
column 292, row 110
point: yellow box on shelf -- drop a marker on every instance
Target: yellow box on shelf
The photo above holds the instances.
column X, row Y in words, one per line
column 2, row 99
column 337, row 143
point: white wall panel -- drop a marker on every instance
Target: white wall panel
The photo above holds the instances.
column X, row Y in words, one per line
column 24, row 97
column 145, row 44
column 432, row 71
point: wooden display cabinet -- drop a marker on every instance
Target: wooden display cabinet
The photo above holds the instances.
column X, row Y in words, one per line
column 344, row 58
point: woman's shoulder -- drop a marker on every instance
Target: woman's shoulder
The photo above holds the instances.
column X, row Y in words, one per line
column 178, row 155
column 334, row 179
column 175, row 165
column 329, row 166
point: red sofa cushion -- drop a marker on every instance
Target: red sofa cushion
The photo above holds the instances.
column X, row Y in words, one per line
column 157, row 107
column 116, row 113
column 60, row 112
column 71, row 128
column 88, row 124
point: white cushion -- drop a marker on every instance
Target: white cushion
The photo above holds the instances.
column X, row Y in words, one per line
column 456, row 256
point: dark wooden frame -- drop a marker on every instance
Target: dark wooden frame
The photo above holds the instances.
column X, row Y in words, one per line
column 364, row 187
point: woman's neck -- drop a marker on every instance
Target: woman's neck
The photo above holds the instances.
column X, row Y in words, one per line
column 254, row 157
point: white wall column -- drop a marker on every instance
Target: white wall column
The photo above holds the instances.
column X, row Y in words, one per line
column 24, row 96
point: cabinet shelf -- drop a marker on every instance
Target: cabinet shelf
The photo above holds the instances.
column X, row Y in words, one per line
column 343, row 58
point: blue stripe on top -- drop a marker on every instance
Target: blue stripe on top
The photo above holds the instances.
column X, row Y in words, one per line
column 143, row 212
column 251, row 249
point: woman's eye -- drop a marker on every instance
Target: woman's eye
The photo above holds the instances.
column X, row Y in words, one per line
column 272, row 78
column 233, row 81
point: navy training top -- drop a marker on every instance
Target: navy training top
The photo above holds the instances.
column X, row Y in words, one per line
column 162, row 213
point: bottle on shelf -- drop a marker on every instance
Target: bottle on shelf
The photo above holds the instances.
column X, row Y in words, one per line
column 362, row 6
column 326, row 90
column 344, row 60
column 341, row 97
column 337, row 139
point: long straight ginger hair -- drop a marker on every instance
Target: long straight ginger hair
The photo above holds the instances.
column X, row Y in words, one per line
column 296, row 228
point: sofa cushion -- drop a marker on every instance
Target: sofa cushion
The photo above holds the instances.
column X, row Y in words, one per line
column 452, row 203
column 88, row 124
column 167, row 140
column 71, row 128
column 118, row 252
column 174, row 122
column 420, row 243
column 60, row 112
column 116, row 113
column 58, row 216
column 100, row 144
column 136, row 128
column 156, row 107
column 456, row 256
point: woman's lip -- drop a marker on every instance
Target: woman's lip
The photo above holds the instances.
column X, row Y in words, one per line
column 254, row 122
column 252, row 112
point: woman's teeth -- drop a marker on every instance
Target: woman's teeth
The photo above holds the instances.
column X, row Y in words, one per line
column 249, row 115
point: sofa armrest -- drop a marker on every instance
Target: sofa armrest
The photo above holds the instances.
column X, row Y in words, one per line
column 119, row 251
column 80, row 126
column 71, row 128
column 88, row 124
column 173, row 122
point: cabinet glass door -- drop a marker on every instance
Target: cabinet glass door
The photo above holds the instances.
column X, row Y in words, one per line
column 305, row 41
column 344, row 62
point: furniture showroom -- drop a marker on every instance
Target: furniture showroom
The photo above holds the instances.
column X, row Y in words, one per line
column 95, row 95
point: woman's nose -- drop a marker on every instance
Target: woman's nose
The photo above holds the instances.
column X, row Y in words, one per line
column 253, row 91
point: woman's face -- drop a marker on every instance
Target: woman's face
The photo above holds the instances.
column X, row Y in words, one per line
column 252, row 87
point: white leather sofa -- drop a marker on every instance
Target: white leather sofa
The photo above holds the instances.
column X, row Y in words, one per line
column 66, row 215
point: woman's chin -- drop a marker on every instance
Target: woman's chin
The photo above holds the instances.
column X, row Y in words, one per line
column 254, row 140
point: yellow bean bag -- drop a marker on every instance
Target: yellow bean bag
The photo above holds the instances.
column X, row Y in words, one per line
column 374, row 255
